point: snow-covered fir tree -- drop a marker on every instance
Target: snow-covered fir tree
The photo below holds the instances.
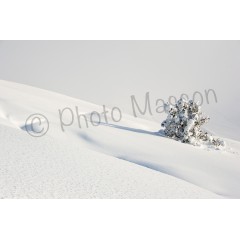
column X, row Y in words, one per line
column 184, row 122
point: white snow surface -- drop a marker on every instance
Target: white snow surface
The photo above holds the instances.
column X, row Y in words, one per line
column 126, row 159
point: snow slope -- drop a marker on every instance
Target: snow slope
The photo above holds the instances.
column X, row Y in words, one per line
column 128, row 159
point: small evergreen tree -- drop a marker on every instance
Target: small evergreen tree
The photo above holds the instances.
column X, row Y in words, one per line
column 184, row 122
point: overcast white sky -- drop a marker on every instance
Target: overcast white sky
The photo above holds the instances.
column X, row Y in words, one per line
column 109, row 72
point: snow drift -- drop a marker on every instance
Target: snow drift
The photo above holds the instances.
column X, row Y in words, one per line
column 128, row 159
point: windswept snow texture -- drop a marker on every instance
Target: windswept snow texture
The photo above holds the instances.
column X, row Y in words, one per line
column 126, row 159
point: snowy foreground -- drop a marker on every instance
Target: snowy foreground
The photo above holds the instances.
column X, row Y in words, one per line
column 128, row 159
